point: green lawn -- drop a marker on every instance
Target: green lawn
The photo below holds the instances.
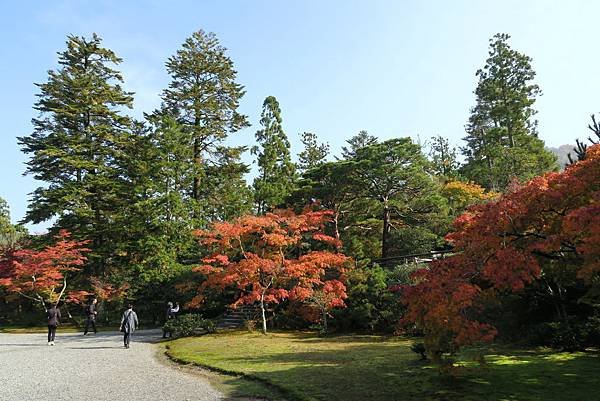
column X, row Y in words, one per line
column 381, row 368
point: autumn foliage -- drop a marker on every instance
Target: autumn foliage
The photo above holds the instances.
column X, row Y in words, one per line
column 41, row 275
column 548, row 227
column 463, row 194
column 275, row 257
column 101, row 289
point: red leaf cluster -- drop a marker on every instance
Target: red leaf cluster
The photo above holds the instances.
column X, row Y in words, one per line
column 40, row 274
column 550, row 223
column 78, row 297
column 107, row 291
column 265, row 258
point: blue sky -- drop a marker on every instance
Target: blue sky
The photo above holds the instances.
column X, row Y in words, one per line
column 393, row 68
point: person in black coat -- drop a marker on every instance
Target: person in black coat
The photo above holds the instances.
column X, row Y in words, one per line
column 91, row 314
column 171, row 314
column 53, row 315
column 129, row 322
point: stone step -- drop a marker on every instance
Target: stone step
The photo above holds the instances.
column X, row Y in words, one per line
column 237, row 317
column 229, row 325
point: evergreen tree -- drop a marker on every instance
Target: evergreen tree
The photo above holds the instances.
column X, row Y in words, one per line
column 5, row 224
column 328, row 185
column 157, row 223
column 276, row 177
column 158, row 218
column 395, row 173
column 384, row 200
column 443, row 157
column 10, row 233
column 358, row 141
column 227, row 194
column 205, row 96
column 314, row 154
column 502, row 141
column 76, row 140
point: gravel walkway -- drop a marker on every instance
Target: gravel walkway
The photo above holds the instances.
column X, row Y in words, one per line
column 94, row 367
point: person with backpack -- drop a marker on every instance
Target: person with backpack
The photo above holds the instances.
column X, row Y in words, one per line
column 53, row 316
column 91, row 313
column 129, row 322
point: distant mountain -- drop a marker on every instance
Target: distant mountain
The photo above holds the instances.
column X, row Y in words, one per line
column 561, row 152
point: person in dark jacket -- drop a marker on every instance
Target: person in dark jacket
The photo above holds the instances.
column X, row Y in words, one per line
column 53, row 315
column 91, row 314
column 129, row 322
column 171, row 314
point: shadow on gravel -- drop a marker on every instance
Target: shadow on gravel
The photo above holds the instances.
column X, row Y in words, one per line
column 23, row 345
column 79, row 341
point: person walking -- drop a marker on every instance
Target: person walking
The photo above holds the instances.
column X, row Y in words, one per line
column 91, row 314
column 129, row 322
column 53, row 316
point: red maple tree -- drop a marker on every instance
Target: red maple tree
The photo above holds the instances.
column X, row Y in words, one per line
column 549, row 225
column 267, row 259
column 101, row 289
column 41, row 275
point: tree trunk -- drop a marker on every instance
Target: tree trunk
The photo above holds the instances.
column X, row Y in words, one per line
column 198, row 162
column 336, row 228
column 324, row 321
column 386, row 230
column 262, row 310
column 99, row 268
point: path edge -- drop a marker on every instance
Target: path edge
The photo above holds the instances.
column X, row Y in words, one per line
column 291, row 395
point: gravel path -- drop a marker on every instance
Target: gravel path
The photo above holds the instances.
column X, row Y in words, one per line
column 94, row 367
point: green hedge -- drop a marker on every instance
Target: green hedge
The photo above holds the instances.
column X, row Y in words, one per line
column 189, row 325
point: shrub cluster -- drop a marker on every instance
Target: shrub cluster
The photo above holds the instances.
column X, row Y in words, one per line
column 189, row 325
column 569, row 335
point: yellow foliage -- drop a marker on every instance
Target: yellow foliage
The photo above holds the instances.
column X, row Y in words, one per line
column 463, row 194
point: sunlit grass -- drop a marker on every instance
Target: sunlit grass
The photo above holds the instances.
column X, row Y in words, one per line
column 364, row 367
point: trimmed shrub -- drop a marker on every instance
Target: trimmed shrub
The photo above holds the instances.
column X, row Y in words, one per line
column 189, row 325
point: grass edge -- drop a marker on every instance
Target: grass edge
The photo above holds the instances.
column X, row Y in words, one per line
column 288, row 393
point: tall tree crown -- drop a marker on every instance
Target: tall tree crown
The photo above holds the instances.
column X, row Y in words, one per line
column 203, row 87
column 76, row 145
column 204, row 95
column 314, row 154
column 502, row 141
column 276, row 170
column 358, row 141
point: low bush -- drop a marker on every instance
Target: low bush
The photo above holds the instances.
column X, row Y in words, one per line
column 189, row 325
column 569, row 335
column 419, row 348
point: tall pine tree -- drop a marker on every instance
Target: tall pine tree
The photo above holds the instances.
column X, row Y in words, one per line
column 502, row 141
column 10, row 233
column 314, row 153
column 276, row 177
column 358, row 141
column 76, row 140
column 158, row 219
column 396, row 174
column 205, row 96
column 443, row 157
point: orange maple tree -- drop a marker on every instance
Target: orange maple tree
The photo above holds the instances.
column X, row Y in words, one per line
column 108, row 291
column 549, row 226
column 41, row 275
column 271, row 258
column 101, row 289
